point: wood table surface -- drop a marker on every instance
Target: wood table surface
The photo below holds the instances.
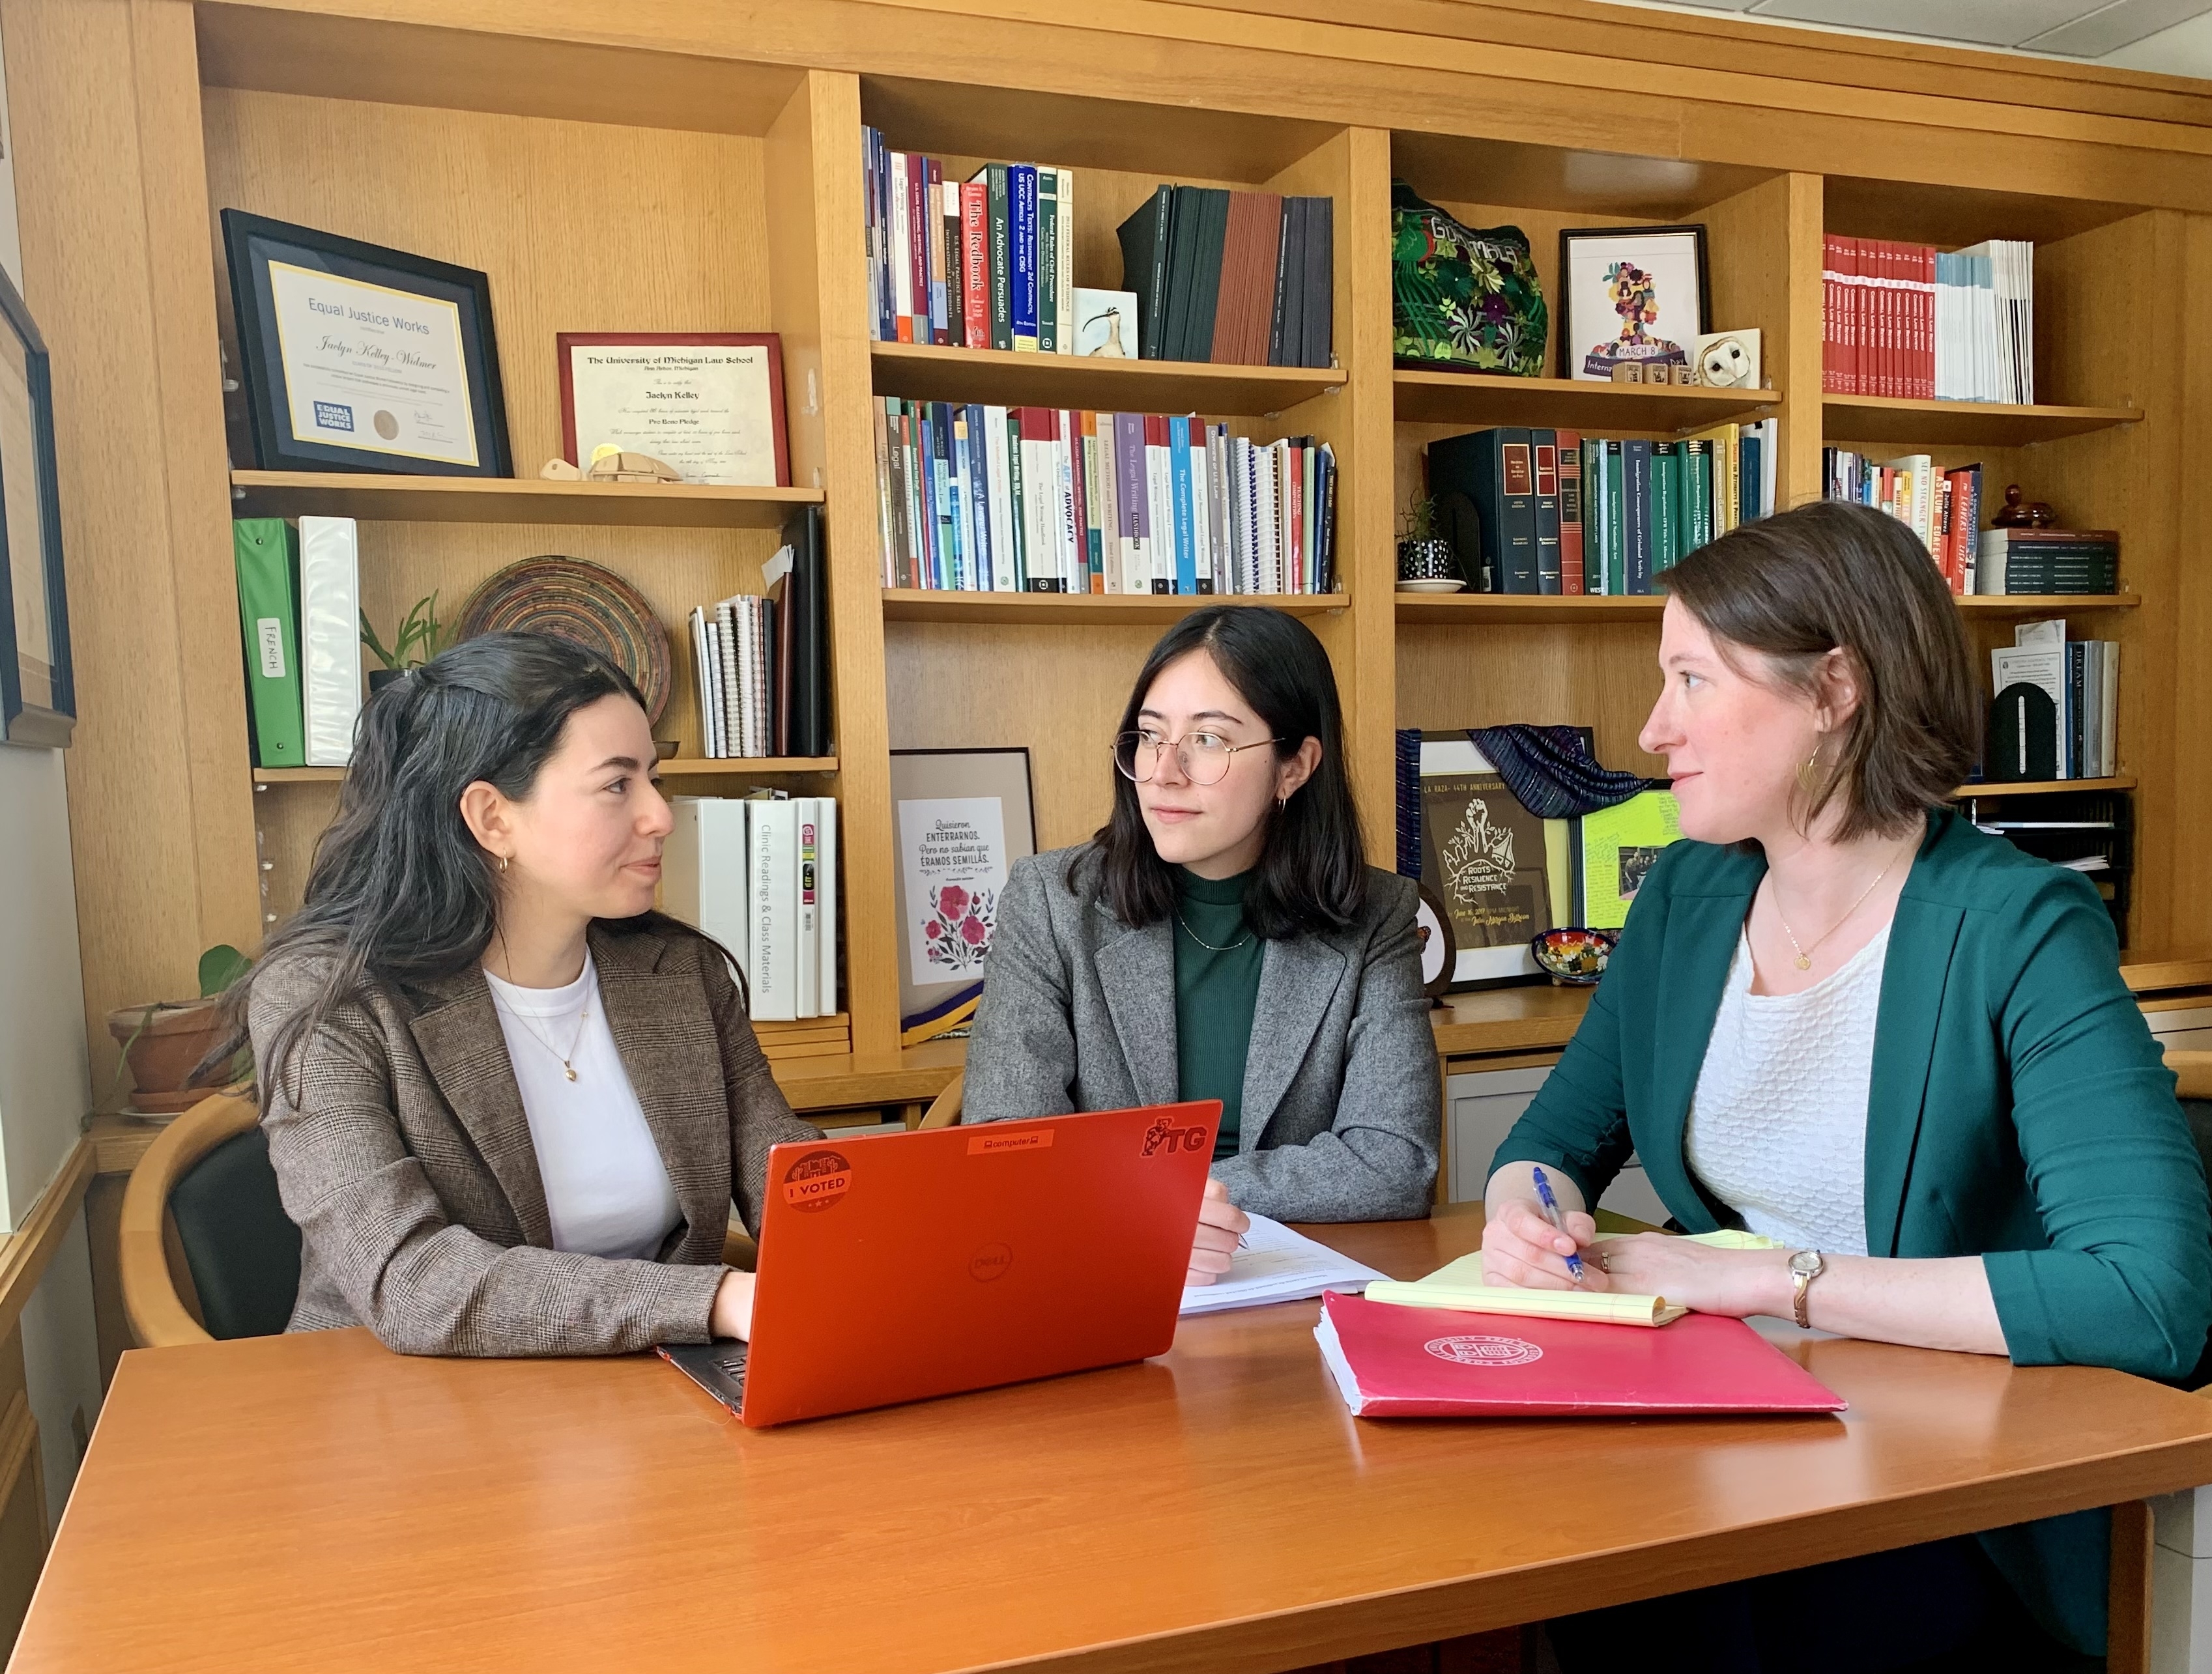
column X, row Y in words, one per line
column 317, row 1503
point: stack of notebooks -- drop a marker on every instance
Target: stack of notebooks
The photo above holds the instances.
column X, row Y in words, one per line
column 759, row 875
column 1557, row 512
column 2049, row 561
column 1240, row 277
column 1942, row 507
column 761, row 661
column 981, row 499
column 984, row 262
column 1908, row 321
column 299, row 606
column 2083, row 679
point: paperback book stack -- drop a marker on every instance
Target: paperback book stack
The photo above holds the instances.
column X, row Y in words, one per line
column 1942, row 507
column 1042, row 500
column 984, row 262
column 759, row 875
column 1557, row 512
column 1908, row 321
column 2082, row 677
column 761, row 661
column 2049, row 561
column 1241, row 277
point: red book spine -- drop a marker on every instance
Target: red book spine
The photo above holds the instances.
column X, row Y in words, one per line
column 1570, row 510
column 1856, row 364
column 975, row 261
column 1831, row 347
column 1297, row 551
column 1926, row 296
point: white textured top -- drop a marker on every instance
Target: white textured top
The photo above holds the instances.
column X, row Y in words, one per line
column 1777, row 1126
column 607, row 1192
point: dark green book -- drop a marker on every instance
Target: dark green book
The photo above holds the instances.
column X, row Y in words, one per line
column 1291, row 290
column 1183, row 252
column 269, row 624
column 1667, row 522
column 1616, row 522
column 1144, row 239
column 999, row 242
column 1212, row 234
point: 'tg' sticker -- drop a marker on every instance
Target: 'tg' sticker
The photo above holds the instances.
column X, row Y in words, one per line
column 817, row 1181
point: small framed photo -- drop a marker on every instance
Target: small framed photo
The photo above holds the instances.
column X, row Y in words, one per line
column 707, row 404
column 361, row 358
column 1630, row 296
column 961, row 818
column 38, row 685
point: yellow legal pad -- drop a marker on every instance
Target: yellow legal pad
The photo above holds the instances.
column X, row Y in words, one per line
column 1460, row 1285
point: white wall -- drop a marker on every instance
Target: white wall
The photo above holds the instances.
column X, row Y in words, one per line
column 44, row 1092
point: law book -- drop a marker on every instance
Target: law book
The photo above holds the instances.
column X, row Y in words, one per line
column 1415, row 1362
column 269, row 626
column 1317, row 315
column 1544, row 459
column 1183, row 263
column 1616, row 519
column 1159, row 489
column 1244, row 309
column 1492, row 473
column 772, row 923
column 1211, row 231
column 1022, row 230
column 998, row 487
column 994, row 180
column 1288, row 262
column 1638, row 516
column 900, row 251
column 1048, row 328
column 330, row 639
column 976, row 264
column 932, row 208
column 1667, row 517
column 1144, row 241
column 1065, row 267
column 1697, row 456
column 1572, row 501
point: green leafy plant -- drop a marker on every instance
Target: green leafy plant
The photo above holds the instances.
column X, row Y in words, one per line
column 421, row 636
column 220, row 967
column 1420, row 519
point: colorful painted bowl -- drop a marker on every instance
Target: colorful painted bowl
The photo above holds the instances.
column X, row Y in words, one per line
column 1575, row 957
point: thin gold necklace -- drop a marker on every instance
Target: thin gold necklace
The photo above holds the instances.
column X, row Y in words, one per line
column 1805, row 954
column 568, row 1058
column 1203, row 942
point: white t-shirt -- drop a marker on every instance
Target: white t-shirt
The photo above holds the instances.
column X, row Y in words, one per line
column 607, row 1192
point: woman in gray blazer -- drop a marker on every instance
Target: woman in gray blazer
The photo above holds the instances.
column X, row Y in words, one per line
column 508, row 1104
column 1222, row 937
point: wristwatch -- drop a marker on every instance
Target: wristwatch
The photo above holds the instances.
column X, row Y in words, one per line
column 1805, row 1266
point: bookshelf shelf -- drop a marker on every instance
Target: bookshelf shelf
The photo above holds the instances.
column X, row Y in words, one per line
column 1526, row 609
column 1473, row 398
column 2047, row 787
column 739, row 767
column 1867, row 418
column 266, row 778
column 2044, row 605
column 373, row 499
column 998, row 377
column 1084, row 610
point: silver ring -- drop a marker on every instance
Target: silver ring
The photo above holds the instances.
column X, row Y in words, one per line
column 1603, row 1265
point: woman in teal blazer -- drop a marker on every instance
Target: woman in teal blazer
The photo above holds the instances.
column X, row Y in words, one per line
column 1842, row 1007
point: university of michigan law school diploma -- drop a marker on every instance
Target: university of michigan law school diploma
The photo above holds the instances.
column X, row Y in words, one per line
column 706, row 409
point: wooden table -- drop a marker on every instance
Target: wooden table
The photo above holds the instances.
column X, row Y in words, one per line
column 316, row 1503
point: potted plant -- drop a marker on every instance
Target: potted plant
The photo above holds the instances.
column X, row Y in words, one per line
column 1425, row 560
column 163, row 1043
column 420, row 636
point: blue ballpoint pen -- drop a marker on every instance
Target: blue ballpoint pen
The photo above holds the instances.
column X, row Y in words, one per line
column 1551, row 1214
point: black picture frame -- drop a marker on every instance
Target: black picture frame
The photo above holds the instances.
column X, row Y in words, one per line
column 1570, row 352
column 38, row 696
column 252, row 242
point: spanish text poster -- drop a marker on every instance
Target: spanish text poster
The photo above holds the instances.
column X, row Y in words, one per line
column 953, row 854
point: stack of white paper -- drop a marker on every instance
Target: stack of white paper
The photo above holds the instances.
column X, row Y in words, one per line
column 1277, row 1265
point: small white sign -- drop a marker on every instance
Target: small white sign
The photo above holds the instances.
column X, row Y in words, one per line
column 270, row 633
column 953, row 850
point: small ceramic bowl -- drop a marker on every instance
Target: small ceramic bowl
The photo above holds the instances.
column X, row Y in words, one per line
column 1575, row 957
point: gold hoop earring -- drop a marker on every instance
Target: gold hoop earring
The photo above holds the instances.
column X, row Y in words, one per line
column 502, row 864
column 1808, row 774
column 1282, row 805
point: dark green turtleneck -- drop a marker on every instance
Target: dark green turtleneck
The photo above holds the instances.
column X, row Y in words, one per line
column 1216, row 987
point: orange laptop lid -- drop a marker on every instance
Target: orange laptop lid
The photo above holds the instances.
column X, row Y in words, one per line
column 900, row 1266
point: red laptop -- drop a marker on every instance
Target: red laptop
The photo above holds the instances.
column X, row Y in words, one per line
column 914, row 1265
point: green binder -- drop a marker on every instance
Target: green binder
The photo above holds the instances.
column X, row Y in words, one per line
column 268, row 620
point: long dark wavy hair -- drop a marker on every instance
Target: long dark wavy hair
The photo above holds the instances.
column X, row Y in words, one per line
column 1312, row 874
column 399, row 891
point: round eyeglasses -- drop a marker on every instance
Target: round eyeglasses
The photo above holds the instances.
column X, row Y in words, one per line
column 1204, row 757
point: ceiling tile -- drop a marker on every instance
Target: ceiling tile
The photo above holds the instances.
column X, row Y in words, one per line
column 1981, row 22
column 2119, row 24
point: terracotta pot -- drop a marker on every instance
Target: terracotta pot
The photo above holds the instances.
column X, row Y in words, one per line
column 174, row 1041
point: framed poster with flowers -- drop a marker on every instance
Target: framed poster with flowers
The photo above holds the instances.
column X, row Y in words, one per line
column 963, row 817
column 1630, row 295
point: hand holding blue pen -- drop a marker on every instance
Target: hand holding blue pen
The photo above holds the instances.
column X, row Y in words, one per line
column 1551, row 1206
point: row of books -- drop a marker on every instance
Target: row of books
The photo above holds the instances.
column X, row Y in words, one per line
column 1531, row 511
column 2082, row 679
column 982, row 499
column 299, row 607
column 1909, row 321
column 761, row 660
column 1240, row 277
column 1942, row 507
column 759, row 875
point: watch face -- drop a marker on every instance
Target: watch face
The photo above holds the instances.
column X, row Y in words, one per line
column 1805, row 1261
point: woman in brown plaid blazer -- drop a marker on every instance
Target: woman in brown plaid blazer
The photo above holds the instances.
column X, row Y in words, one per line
column 499, row 835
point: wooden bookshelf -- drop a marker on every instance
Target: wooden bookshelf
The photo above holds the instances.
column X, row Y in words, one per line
column 674, row 766
column 1870, row 418
column 335, row 115
column 374, row 499
column 1472, row 399
column 1002, row 378
column 2043, row 787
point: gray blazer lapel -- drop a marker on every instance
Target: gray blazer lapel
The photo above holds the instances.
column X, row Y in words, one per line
column 1297, row 980
column 666, row 1039
column 465, row 1053
column 1137, row 972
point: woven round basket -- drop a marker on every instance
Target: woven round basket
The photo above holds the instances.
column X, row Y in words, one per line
column 571, row 599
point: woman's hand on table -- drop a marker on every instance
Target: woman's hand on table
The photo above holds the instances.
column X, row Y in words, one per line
column 1221, row 1227
column 1697, row 1276
column 1521, row 1247
column 732, row 1313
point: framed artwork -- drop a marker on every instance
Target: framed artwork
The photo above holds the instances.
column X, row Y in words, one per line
column 361, row 358
column 1631, row 295
column 708, row 405
column 961, row 818
column 38, row 684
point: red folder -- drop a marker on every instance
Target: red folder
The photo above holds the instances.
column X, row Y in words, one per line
column 1426, row 1362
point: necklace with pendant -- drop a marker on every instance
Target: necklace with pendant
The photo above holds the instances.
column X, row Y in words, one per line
column 1805, row 954
column 568, row 1058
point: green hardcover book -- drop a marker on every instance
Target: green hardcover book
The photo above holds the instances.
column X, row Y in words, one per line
column 1001, row 241
column 1596, row 533
column 1665, row 504
column 268, row 620
column 1212, row 234
column 1014, row 490
column 1698, row 492
column 1616, row 522
column 1182, row 269
column 1049, row 261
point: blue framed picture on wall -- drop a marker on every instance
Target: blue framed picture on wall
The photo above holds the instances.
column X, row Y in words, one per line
column 37, row 687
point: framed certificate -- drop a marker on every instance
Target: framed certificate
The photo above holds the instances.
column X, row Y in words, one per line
column 361, row 358
column 708, row 405
column 37, row 688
